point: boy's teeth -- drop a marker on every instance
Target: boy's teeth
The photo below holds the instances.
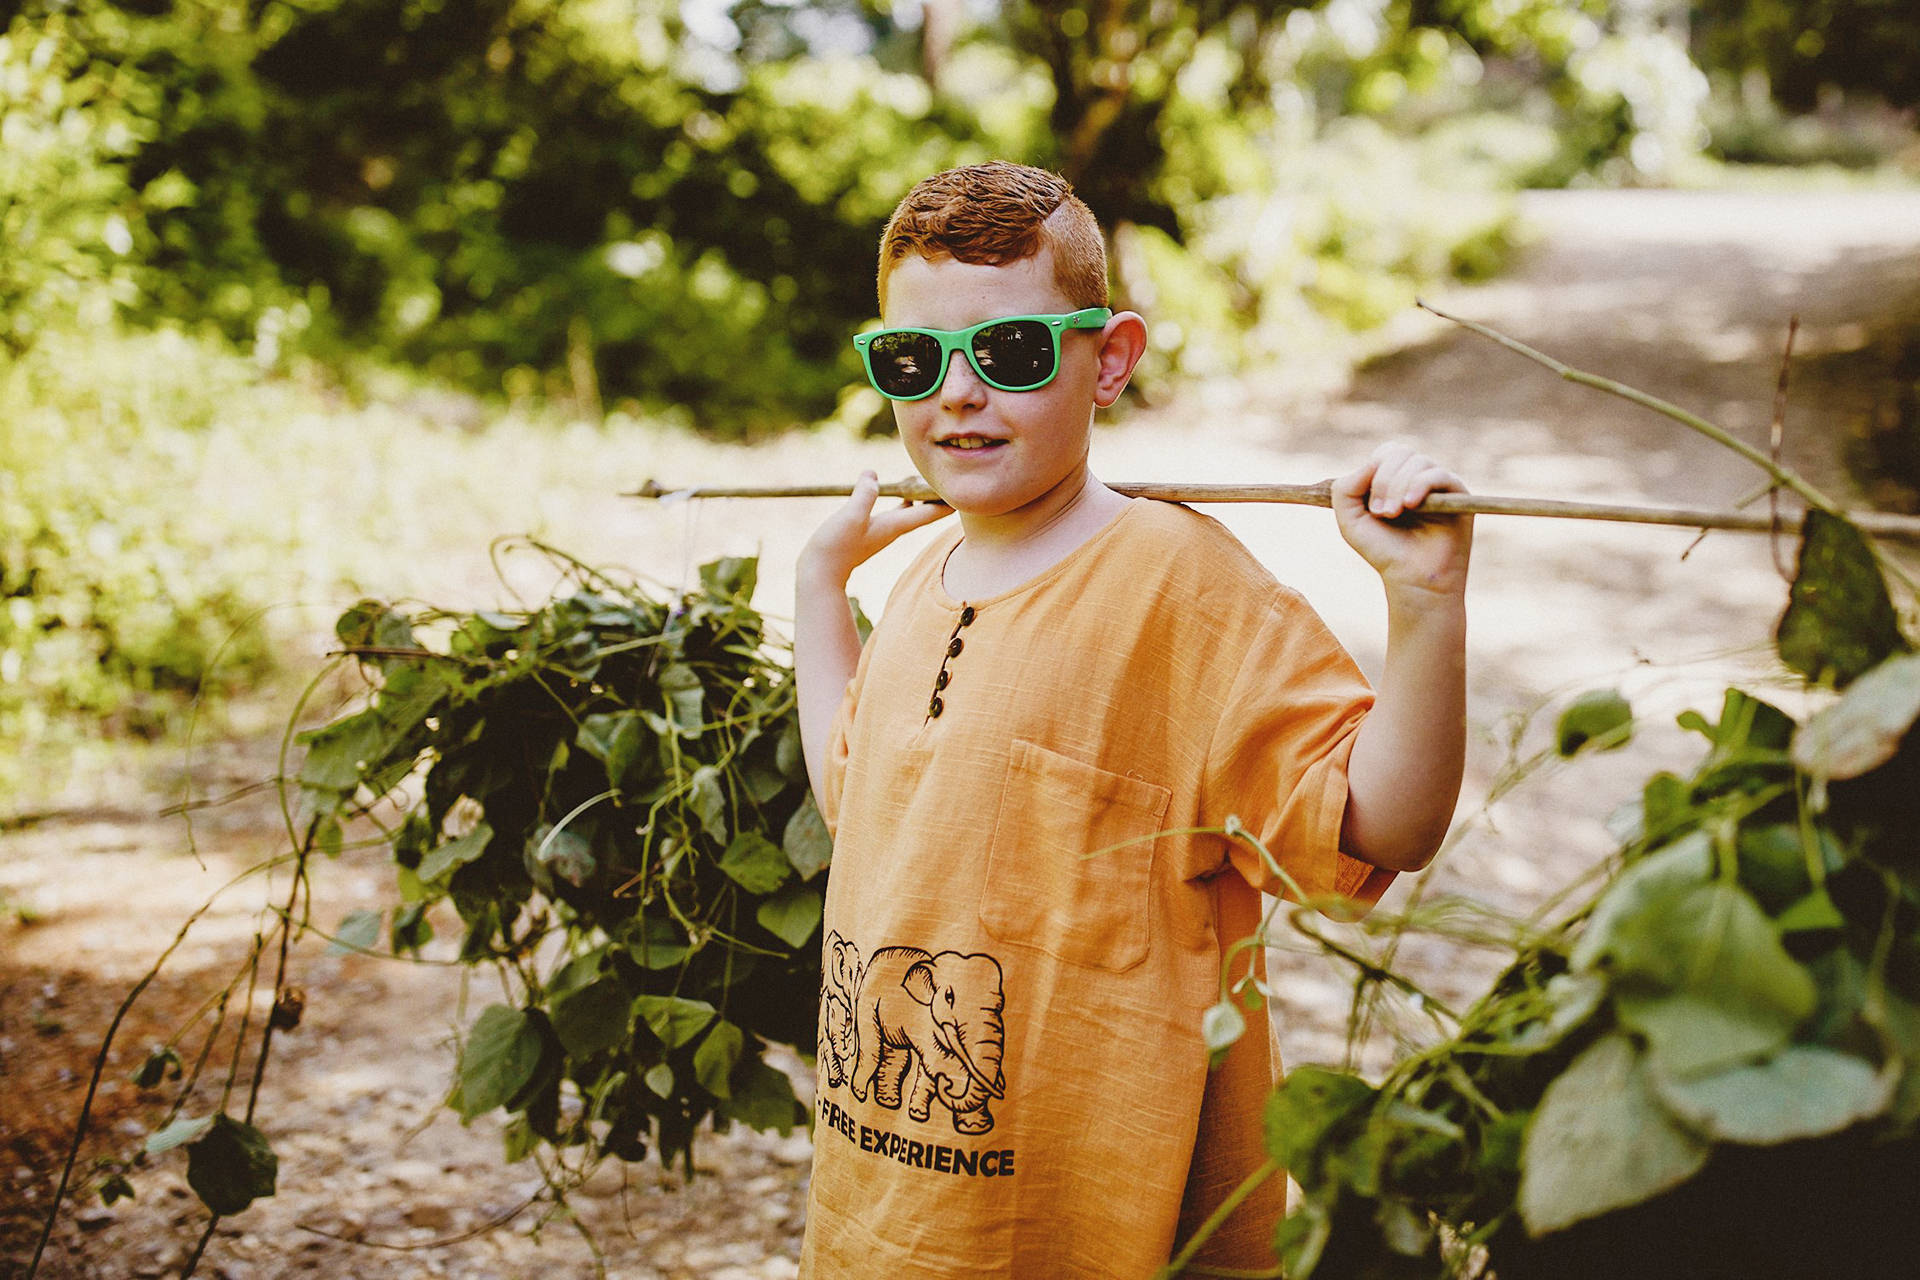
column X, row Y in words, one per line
column 967, row 442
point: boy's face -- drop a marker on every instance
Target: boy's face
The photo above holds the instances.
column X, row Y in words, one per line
column 988, row 452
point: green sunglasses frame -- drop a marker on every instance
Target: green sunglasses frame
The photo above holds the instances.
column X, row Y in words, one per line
column 952, row 340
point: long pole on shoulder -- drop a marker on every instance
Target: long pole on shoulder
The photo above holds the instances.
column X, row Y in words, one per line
column 1879, row 524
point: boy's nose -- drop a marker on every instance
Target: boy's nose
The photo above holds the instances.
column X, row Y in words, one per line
column 962, row 387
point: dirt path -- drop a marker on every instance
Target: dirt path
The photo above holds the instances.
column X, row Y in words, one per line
column 1684, row 295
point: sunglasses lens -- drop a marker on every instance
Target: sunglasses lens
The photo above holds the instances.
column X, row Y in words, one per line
column 1015, row 355
column 904, row 363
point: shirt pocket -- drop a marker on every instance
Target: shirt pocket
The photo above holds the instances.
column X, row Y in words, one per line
column 1069, row 869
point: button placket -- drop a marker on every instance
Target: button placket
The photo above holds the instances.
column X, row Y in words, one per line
column 955, row 645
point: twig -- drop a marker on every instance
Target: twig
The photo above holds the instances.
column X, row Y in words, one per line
column 1719, row 435
column 1218, row 1217
column 1778, row 437
column 1879, row 524
column 492, row 1224
column 93, row 1085
column 200, row 1247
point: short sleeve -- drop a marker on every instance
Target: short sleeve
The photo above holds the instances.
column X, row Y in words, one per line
column 1278, row 759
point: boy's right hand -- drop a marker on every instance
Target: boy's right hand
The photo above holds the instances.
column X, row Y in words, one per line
column 855, row 533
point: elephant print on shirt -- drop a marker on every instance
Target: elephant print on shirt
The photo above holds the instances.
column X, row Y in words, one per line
column 839, row 981
column 929, row 1026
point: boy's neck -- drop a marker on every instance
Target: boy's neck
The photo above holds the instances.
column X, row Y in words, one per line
column 998, row 553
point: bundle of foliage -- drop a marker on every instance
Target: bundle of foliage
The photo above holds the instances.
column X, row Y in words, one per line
column 611, row 795
column 1713, row 1067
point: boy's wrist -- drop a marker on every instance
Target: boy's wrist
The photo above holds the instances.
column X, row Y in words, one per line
column 815, row 574
column 1425, row 599
column 1425, row 605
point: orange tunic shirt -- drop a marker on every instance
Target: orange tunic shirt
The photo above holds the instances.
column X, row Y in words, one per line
column 1021, row 934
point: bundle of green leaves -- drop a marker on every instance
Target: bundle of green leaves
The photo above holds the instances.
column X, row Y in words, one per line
column 1710, row 1069
column 611, row 796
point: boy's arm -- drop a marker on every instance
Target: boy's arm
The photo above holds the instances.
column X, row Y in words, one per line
column 826, row 647
column 1404, row 774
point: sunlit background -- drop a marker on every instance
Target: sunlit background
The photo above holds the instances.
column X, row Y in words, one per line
column 302, row 300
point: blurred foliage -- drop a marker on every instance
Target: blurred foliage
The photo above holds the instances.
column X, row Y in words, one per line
column 1805, row 50
column 113, row 606
column 676, row 204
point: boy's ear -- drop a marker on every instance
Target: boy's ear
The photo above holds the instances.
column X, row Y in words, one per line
column 1122, row 343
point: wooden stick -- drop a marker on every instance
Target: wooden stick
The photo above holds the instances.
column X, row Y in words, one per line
column 1879, row 524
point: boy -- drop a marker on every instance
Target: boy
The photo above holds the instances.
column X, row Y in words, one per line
column 1012, row 1080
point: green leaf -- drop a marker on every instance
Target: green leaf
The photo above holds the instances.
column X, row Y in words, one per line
column 630, row 736
column 563, row 853
column 577, row 972
column 500, row 1058
column 763, row 782
column 685, row 698
column 357, row 933
column 1702, row 974
column 755, row 863
column 1221, row 1027
column 792, row 916
column 716, row 1057
column 1311, row 1105
column 372, row 624
column 659, row 1078
column 181, row 1130
column 1839, row 621
column 1663, row 805
column 1814, row 912
column 597, row 732
column 1601, row 1141
column 674, row 1020
column 809, row 848
column 655, row 944
column 1864, row 729
column 411, row 930
column 231, row 1166
column 763, row 1098
column 455, row 853
column 708, row 801
column 116, row 1187
column 593, row 1019
column 730, row 576
column 338, row 753
column 1679, row 866
column 1572, row 999
column 1773, row 861
column 788, row 756
column 1802, row 1092
column 1601, row 718
column 518, row 1140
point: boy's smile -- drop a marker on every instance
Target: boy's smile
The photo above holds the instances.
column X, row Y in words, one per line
column 1007, row 461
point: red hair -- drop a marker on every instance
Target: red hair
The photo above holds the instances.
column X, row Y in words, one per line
column 998, row 213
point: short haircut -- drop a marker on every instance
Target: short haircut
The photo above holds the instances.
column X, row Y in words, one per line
column 998, row 213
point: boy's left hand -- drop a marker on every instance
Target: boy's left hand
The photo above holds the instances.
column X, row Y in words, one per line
column 1376, row 506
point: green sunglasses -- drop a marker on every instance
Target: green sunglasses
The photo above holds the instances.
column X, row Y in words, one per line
column 1015, row 353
